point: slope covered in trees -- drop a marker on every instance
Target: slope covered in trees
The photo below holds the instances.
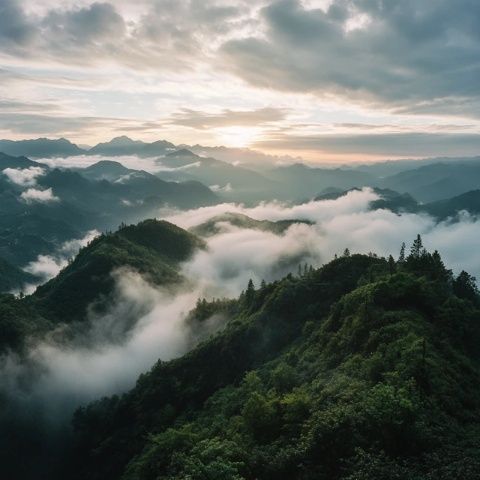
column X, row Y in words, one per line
column 152, row 248
column 366, row 368
column 12, row 278
column 213, row 225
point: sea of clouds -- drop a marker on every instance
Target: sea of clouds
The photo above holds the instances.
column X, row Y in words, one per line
column 69, row 375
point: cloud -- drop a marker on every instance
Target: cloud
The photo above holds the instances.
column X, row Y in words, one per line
column 217, row 188
column 171, row 35
column 26, row 177
column 346, row 222
column 381, row 144
column 15, row 29
column 48, row 266
column 401, row 53
column 33, row 195
column 202, row 120
column 83, row 161
column 104, row 360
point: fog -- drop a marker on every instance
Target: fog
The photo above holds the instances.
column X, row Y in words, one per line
column 346, row 222
column 46, row 267
column 148, row 164
column 104, row 360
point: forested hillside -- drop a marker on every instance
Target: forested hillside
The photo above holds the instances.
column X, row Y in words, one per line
column 86, row 285
column 366, row 368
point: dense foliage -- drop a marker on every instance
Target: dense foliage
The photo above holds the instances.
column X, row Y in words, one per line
column 86, row 285
column 363, row 369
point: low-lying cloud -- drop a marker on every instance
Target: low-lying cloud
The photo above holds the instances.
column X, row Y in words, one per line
column 46, row 267
column 34, row 195
column 109, row 357
column 347, row 222
column 26, row 177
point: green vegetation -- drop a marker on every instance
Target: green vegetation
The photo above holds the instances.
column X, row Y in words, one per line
column 211, row 227
column 152, row 248
column 12, row 278
column 364, row 369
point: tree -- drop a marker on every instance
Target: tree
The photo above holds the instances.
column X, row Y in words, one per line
column 391, row 265
column 439, row 271
column 401, row 258
column 250, row 292
column 417, row 250
column 346, row 252
column 465, row 286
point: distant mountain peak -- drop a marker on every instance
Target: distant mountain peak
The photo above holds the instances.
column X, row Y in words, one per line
column 123, row 140
column 183, row 152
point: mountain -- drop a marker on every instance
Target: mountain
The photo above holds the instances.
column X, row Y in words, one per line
column 98, row 197
column 436, row 181
column 85, row 286
column 394, row 201
column 12, row 278
column 129, row 195
column 40, row 148
column 245, row 157
column 389, row 199
column 392, row 167
column 126, row 146
column 301, row 182
column 363, row 369
column 8, row 161
column 233, row 182
column 27, row 234
column 213, row 226
column 105, row 170
column 152, row 248
column 469, row 201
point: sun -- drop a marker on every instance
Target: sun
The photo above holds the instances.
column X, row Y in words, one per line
column 237, row 137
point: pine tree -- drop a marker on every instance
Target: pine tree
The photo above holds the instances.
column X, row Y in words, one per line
column 250, row 292
column 465, row 286
column 401, row 258
column 391, row 265
column 346, row 252
column 417, row 249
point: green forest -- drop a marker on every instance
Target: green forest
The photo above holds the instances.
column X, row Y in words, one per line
column 367, row 368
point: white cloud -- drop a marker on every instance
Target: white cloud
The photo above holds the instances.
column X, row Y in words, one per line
column 84, row 161
column 26, row 177
column 33, row 195
column 48, row 266
column 73, row 374
column 217, row 188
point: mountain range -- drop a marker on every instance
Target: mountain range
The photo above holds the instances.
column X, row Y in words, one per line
column 360, row 368
column 258, row 178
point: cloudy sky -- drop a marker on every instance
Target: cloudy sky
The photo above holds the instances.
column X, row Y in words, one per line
column 328, row 80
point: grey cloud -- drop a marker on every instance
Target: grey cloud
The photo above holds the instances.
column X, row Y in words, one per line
column 203, row 120
column 97, row 22
column 15, row 29
column 396, row 144
column 51, row 123
column 409, row 52
column 171, row 35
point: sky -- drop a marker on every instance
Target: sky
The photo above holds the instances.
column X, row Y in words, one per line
column 326, row 80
